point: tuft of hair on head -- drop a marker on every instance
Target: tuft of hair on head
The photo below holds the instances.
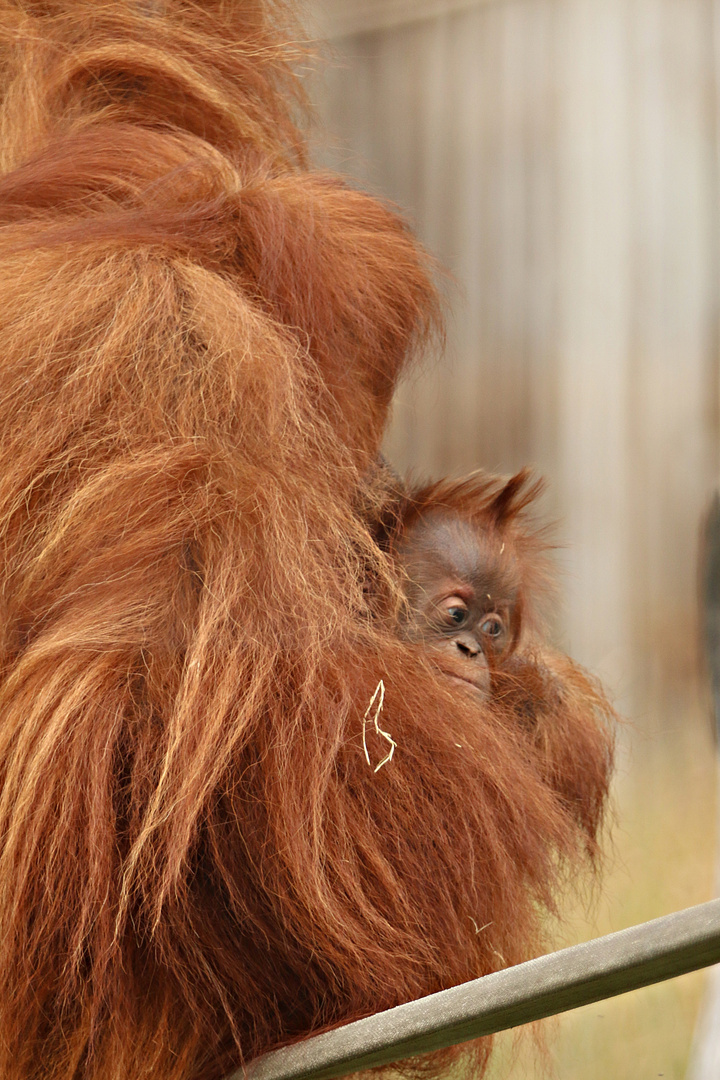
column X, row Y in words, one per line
column 482, row 496
column 515, row 496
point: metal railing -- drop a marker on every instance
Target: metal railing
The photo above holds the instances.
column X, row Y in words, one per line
column 598, row 969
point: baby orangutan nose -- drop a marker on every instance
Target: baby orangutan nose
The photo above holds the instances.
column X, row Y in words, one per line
column 469, row 647
column 462, row 659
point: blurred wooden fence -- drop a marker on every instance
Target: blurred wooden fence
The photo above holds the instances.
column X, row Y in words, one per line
column 560, row 157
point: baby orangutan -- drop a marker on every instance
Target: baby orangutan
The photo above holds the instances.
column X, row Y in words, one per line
column 463, row 582
column 473, row 571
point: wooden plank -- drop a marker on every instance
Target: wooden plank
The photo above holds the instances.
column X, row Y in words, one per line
column 598, row 969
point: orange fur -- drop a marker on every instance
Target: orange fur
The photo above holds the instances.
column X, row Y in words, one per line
column 200, row 338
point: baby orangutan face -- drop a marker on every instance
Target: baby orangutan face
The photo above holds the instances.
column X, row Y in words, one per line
column 462, row 588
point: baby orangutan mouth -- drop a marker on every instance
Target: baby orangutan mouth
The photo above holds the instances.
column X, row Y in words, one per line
column 477, row 680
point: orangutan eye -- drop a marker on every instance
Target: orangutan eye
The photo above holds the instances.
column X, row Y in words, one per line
column 492, row 626
column 454, row 610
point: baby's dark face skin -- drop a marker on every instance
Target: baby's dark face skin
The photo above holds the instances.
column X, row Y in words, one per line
column 462, row 589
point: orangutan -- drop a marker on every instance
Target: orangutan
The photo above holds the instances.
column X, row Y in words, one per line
column 203, row 852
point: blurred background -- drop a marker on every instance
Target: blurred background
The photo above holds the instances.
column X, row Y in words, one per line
column 561, row 158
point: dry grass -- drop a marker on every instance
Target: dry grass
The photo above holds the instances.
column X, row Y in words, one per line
column 662, row 860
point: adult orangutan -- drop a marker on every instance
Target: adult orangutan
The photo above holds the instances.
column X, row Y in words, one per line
column 200, row 340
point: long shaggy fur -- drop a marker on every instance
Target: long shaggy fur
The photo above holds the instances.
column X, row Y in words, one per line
column 200, row 338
